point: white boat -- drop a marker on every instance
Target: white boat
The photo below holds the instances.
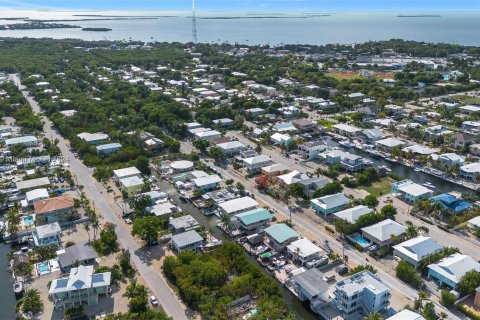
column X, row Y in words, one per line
column 18, row 288
column 429, row 185
column 345, row 143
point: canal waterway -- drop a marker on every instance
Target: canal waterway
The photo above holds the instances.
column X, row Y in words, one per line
column 210, row 223
column 7, row 301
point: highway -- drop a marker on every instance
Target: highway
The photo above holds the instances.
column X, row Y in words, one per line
column 172, row 306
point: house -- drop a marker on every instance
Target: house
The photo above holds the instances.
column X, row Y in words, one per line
column 284, row 127
column 355, row 95
column 350, row 162
column 183, row 223
column 131, row 185
column 255, row 112
column 451, row 159
column 238, row 205
column 154, row 196
column 389, row 143
column 460, row 140
column 419, row 150
column 289, row 112
column 474, row 223
column 208, row 135
column 27, row 141
column 256, row 163
column 280, row 139
column 310, row 286
column 473, row 126
column 93, row 138
column 36, row 195
column 303, row 251
column 372, row 135
column 381, row 232
column 310, row 150
column 280, row 236
column 32, row 183
column 54, row 209
column 369, row 112
column 469, row 171
column 81, row 287
column 109, row 148
column 406, row 314
column 292, row 177
column 329, row 204
column 396, row 112
column 47, row 234
column 231, row 148
column 410, row 191
column 451, row 203
column 181, row 166
column 415, row 250
column 476, row 302
column 153, row 144
column 351, row 215
column 79, row 253
column 163, row 209
column 207, row 183
column 437, row 130
column 474, row 149
column 23, row 163
column 189, row 240
column 469, row 109
column 125, row 173
column 450, row 270
column 253, row 220
column 225, row 122
column 347, row 131
column 275, row 169
column 304, row 125
column 361, row 294
column 310, row 185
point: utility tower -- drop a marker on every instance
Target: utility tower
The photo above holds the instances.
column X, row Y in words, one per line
column 194, row 23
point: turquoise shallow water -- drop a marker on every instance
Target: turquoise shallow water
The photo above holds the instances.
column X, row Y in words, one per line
column 456, row 27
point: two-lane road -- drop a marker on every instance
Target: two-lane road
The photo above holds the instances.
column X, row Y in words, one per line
column 157, row 284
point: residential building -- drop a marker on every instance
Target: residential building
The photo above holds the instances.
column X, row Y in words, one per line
column 51, row 210
column 361, row 294
column 125, row 173
column 389, row 143
column 311, row 150
column 474, row 149
column 284, row 127
column 450, row 270
column 79, row 253
column 351, row 215
column 27, row 141
column 419, row 150
column 36, row 195
column 372, row 135
column 451, row 159
column 406, row 314
column 47, row 234
column 304, row 125
column 81, row 287
column 225, row 122
column 469, row 171
column 415, row 250
column 238, row 205
column 473, row 126
column 231, row 148
column 347, row 131
column 310, row 185
column 460, row 140
column 93, row 138
column 469, row 109
column 255, row 112
column 181, row 166
column 410, row 191
column 280, row 236
column 310, row 286
column 329, row 204
column 289, row 112
column 350, row 162
column 207, row 183
column 451, row 203
column 131, row 185
column 183, row 223
column 254, row 220
column 280, row 139
column 208, row 135
column 292, row 177
column 109, row 148
column 32, row 183
column 303, row 251
column 256, row 163
column 189, row 240
column 381, row 232
column 275, row 169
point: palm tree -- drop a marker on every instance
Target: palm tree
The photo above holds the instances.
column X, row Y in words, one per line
column 95, row 225
column 412, row 230
column 318, row 172
column 225, row 220
column 418, row 303
column 86, row 226
column 374, row 316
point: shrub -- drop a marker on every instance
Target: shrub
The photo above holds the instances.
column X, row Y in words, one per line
column 448, row 299
column 408, row 274
column 329, row 230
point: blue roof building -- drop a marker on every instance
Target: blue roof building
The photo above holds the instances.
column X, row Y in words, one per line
column 451, row 203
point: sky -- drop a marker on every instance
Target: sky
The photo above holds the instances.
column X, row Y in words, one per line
column 250, row 5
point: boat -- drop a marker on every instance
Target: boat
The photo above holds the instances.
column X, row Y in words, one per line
column 18, row 289
column 417, row 168
column 429, row 185
column 345, row 143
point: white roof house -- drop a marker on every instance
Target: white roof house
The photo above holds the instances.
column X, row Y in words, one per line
column 132, row 182
column 208, row 135
column 93, row 137
column 231, row 146
column 330, row 203
column 293, row 177
column 351, row 215
column 161, row 209
column 419, row 149
column 238, row 205
column 471, row 167
column 281, row 139
column 37, row 194
column 414, row 189
column 416, row 249
column 207, row 181
column 451, row 269
column 26, row 140
column 406, row 314
column 125, row 173
column 346, row 128
column 474, row 222
column 303, row 248
column 390, row 143
column 33, row 183
column 381, row 232
column 80, row 278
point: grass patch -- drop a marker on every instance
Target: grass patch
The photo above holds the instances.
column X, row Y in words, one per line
column 343, row 76
column 379, row 188
column 466, row 99
column 325, row 123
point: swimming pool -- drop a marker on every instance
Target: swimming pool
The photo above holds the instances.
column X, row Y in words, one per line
column 43, row 267
column 28, row 220
column 360, row 240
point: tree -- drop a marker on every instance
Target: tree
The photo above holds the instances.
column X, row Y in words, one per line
column 428, row 311
column 296, row 190
column 408, row 274
column 389, row 211
column 413, row 230
column 86, row 226
column 374, row 316
column 201, row 145
column 108, row 240
column 330, row 188
column 217, row 154
column 143, row 165
column 147, row 228
column 469, row 282
column 370, row 201
column 240, row 186
column 262, row 181
column 31, row 302
column 448, row 299
column 124, row 261
column 362, row 267
column 140, row 203
column 137, row 295
column 13, row 219
column 225, row 219
column 344, row 227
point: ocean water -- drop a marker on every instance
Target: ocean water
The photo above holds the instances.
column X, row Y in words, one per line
column 261, row 28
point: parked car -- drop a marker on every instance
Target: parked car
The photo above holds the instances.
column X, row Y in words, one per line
column 154, row 301
column 128, row 221
column 342, row 270
column 329, row 277
column 373, row 248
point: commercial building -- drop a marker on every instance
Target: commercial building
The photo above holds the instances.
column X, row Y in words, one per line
column 415, row 250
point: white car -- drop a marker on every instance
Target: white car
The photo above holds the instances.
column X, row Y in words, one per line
column 154, row 301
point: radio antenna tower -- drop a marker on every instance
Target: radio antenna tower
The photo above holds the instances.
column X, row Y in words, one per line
column 194, row 23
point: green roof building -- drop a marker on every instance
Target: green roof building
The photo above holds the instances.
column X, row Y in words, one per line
column 253, row 219
column 281, row 235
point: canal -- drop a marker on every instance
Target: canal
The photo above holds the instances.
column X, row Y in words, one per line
column 7, row 302
column 302, row 312
column 404, row 171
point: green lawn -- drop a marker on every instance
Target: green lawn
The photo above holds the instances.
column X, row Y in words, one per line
column 343, row 76
column 467, row 99
column 379, row 188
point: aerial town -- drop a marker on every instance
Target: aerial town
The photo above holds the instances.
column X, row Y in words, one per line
column 154, row 180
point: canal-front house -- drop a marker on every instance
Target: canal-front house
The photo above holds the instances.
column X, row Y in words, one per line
column 310, row 286
column 303, row 251
column 47, row 234
column 54, row 209
column 280, row 236
column 470, row 171
column 329, row 204
column 131, row 185
column 189, row 240
column 81, row 287
column 450, row 270
column 381, row 233
column 415, row 250
column 410, row 191
column 207, row 183
column 253, row 220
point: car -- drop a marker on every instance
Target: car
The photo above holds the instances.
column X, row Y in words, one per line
column 128, row 221
column 154, row 301
column 75, row 155
column 342, row 270
column 373, row 248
